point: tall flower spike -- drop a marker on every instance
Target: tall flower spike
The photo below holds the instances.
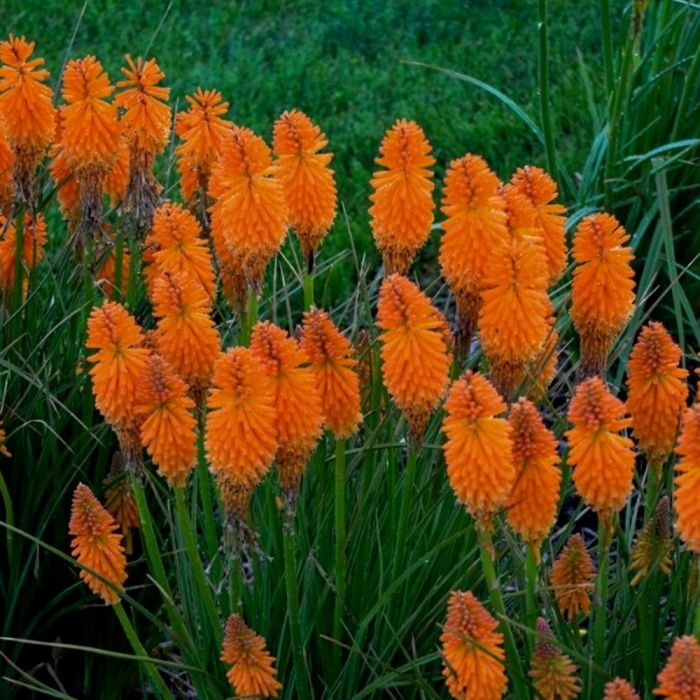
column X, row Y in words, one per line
column 572, row 578
column 656, row 392
column 297, row 402
column 252, row 673
column 334, row 367
column 146, row 120
column 532, row 504
column 653, row 544
column 249, row 213
column 96, row 545
column 7, row 189
column 168, row 427
column 120, row 501
column 402, row 198
column 186, row 334
column 474, row 227
column 680, row 678
column 602, row 297
column 553, row 673
column 479, row 449
column 620, row 689
column 541, row 190
column 26, row 111
column 603, row 460
column 90, row 136
column 415, row 342
column 309, row 185
column 687, row 499
column 33, row 241
column 472, row 650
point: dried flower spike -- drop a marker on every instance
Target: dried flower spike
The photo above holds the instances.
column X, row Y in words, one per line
column 687, row 500
column 572, row 578
column 653, row 546
column 620, row 689
column 680, row 678
column 553, row 673
column 120, row 501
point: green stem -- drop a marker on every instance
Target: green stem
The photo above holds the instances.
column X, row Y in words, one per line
column 689, row 86
column 19, row 265
column 340, row 561
column 251, row 317
column 118, row 258
column 148, row 667
column 406, row 495
column 696, row 617
column 545, row 107
column 600, row 611
column 308, row 290
column 134, row 275
column 606, row 26
column 9, row 519
column 205, row 494
column 531, row 590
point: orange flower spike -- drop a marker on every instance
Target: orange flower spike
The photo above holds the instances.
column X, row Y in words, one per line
column 252, row 673
column 117, row 179
column 309, row 185
column 415, row 353
column 532, row 504
column 572, row 578
column 241, row 428
column 249, row 213
column 26, row 110
column 687, row 500
column 96, row 545
column 472, row 650
column 680, row 678
column 33, row 242
column 602, row 297
column 620, row 689
column 541, row 191
column 402, row 198
column 602, row 459
column 474, row 227
column 479, row 448
column 168, row 427
column 657, row 391
column 186, row 334
column 67, row 188
column 334, row 366
column 553, row 673
column 119, row 363
column 297, row 400
column 7, row 159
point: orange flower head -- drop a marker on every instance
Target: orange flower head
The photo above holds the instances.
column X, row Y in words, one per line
column 241, row 429
column 474, row 227
column 602, row 297
column 119, row 363
column 7, row 158
column 402, row 198
column 532, row 504
column 479, row 448
column 309, row 185
column 680, row 678
column 168, row 427
column 334, row 367
column 603, row 460
column 415, row 353
column 472, row 650
column 249, row 212
column 33, row 241
column 96, row 545
column 297, row 400
column 521, row 218
column 146, row 116
column 653, row 546
column 252, row 673
column 67, row 187
column 687, row 499
column 187, row 336
column 553, row 673
column 656, row 391
column 117, row 179
column 541, row 191
column 572, row 578
column 620, row 689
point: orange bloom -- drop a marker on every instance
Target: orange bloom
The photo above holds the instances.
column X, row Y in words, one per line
column 120, row 501
column 472, row 650
column 656, row 391
column 309, row 186
column 680, row 678
column 67, row 188
column 474, row 227
column 688, row 480
column 249, row 213
column 402, row 200
column 541, row 191
column 619, row 689
column 117, row 178
column 168, row 427
column 26, row 110
column 553, row 673
column 603, row 460
column 479, row 449
column 297, row 400
column 602, row 297
column 532, row 504
column 175, row 244
column 7, row 189
column 186, row 334
column 33, row 241
column 333, row 364
column 572, row 578
column 96, row 545
column 241, row 429
column 415, row 350
column 252, row 673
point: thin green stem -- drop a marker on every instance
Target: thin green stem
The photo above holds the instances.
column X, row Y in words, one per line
column 545, row 106
column 531, row 590
column 17, row 291
column 340, row 561
column 600, row 611
column 251, row 317
column 696, row 616
column 606, row 29
column 308, row 290
column 134, row 276
column 118, row 260
column 9, row 519
column 205, row 493
column 405, row 509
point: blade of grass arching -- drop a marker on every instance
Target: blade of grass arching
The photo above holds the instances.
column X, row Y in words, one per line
column 545, row 105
